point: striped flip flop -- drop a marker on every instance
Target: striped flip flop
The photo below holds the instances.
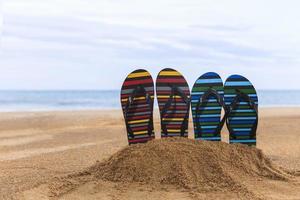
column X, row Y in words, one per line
column 137, row 97
column 173, row 96
column 207, row 103
column 242, row 110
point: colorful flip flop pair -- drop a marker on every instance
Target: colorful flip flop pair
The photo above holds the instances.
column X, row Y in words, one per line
column 137, row 98
column 237, row 97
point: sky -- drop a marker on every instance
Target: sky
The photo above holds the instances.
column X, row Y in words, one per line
column 94, row 44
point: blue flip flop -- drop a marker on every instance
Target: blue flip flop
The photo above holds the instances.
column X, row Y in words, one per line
column 241, row 102
column 207, row 103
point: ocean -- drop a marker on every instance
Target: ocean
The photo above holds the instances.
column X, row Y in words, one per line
column 11, row 101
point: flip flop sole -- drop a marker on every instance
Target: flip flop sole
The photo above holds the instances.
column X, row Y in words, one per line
column 243, row 117
column 177, row 115
column 139, row 117
column 210, row 114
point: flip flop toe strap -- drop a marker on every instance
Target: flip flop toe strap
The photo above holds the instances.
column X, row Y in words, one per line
column 130, row 101
column 175, row 90
column 202, row 102
column 238, row 98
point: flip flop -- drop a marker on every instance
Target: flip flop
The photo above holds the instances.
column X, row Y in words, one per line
column 207, row 103
column 173, row 96
column 137, row 96
column 242, row 110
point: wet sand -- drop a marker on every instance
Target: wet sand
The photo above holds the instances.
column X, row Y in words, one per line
column 35, row 147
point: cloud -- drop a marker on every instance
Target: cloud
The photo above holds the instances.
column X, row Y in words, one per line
column 94, row 44
column 222, row 28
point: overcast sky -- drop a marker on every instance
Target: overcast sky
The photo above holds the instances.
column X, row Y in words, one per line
column 94, row 44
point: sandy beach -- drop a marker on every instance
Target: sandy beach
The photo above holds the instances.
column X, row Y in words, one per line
column 37, row 147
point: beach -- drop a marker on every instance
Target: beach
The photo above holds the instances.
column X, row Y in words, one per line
column 37, row 147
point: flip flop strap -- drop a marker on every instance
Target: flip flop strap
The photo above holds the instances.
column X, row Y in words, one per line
column 203, row 101
column 175, row 90
column 241, row 95
column 138, row 89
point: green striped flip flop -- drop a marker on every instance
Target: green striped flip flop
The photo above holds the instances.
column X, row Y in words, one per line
column 207, row 103
column 173, row 96
column 242, row 110
column 137, row 97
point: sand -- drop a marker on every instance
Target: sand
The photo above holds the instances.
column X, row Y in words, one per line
column 48, row 155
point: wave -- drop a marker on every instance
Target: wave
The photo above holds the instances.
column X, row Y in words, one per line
column 72, row 99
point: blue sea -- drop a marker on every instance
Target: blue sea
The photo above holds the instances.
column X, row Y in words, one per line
column 82, row 100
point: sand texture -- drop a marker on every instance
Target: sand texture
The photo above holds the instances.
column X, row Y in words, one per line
column 84, row 155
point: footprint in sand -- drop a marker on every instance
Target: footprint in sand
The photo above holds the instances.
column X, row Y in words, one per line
column 34, row 152
column 22, row 139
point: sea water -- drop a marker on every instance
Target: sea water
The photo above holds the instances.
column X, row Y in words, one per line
column 100, row 99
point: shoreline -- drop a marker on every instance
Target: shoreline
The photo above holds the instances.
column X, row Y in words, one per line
column 263, row 111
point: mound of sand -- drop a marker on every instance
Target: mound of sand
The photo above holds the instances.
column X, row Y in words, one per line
column 193, row 165
column 187, row 163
